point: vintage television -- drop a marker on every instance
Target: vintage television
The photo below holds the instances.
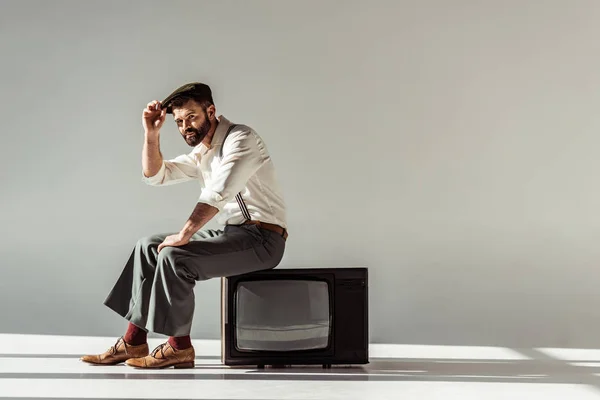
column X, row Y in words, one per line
column 283, row 317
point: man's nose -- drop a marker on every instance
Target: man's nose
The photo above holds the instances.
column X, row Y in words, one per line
column 185, row 125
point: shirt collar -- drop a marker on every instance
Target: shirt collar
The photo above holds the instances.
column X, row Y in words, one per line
column 217, row 138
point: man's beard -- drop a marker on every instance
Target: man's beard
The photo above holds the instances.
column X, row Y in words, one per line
column 193, row 136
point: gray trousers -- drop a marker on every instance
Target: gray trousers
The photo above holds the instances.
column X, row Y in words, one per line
column 156, row 291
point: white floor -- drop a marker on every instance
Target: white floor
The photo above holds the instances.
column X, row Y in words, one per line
column 44, row 367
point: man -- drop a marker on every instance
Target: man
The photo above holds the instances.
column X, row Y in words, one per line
column 237, row 177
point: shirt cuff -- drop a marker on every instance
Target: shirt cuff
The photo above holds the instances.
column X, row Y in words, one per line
column 212, row 198
column 156, row 179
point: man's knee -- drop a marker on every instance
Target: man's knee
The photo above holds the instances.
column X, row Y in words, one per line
column 169, row 259
column 148, row 242
column 168, row 253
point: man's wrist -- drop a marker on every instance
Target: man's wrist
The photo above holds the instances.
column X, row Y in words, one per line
column 200, row 216
column 188, row 231
column 152, row 136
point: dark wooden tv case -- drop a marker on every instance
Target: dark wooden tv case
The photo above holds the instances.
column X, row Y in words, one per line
column 350, row 346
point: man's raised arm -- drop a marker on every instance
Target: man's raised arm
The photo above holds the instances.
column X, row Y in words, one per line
column 153, row 118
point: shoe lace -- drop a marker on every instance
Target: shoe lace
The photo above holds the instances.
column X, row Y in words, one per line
column 161, row 348
column 113, row 348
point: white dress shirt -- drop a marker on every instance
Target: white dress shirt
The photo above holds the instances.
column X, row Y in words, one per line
column 245, row 167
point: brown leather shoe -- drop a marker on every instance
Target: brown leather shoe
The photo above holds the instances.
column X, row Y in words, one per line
column 165, row 356
column 118, row 353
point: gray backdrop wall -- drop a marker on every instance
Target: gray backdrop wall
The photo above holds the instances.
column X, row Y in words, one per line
column 450, row 146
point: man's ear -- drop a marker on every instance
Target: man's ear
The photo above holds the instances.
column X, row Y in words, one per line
column 211, row 112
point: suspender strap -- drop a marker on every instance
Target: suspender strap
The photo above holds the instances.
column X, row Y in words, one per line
column 238, row 197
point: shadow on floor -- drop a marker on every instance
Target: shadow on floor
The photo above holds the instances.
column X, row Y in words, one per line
column 539, row 368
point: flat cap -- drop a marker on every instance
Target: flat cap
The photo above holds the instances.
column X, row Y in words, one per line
column 189, row 89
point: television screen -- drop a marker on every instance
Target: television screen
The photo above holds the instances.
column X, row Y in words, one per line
column 282, row 315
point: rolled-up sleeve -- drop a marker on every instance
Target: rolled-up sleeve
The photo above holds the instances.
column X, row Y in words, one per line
column 180, row 169
column 243, row 155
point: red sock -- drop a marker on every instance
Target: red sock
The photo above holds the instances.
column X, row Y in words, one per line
column 135, row 335
column 180, row 342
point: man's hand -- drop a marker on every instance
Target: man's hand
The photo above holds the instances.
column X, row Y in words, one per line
column 173, row 240
column 153, row 117
column 200, row 216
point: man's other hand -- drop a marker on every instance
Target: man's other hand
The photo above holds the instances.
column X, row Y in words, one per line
column 153, row 117
column 173, row 240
